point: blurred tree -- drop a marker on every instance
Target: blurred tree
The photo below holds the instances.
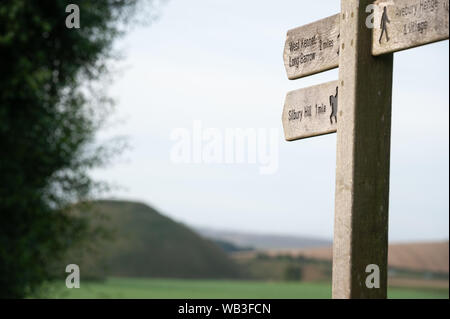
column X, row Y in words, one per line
column 293, row 272
column 49, row 112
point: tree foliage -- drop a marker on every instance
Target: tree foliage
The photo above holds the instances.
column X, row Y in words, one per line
column 49, row 112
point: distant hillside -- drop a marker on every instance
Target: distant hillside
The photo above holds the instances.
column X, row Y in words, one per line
column 145, row 243
column 262, row 241
column 431, row 256
column 229, row 247
column 427, row 256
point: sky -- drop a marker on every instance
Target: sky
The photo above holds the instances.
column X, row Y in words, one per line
column 218, row 64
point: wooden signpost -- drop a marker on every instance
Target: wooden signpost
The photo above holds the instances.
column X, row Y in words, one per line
column 360, row 104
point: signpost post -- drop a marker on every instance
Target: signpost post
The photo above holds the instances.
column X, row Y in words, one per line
column 359, row 110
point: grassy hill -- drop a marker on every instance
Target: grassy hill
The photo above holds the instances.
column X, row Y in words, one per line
column 144, row 243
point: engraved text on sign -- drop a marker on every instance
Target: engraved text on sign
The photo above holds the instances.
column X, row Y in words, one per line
column 404, row 24
column 312, row 48
column 311, row 111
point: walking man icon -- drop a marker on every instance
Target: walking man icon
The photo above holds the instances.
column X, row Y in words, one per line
column 384, row 21
column 334, row 106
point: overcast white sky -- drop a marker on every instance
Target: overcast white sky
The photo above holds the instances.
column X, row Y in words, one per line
column 220, row 62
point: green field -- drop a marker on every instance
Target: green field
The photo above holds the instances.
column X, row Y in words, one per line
column 213, row 289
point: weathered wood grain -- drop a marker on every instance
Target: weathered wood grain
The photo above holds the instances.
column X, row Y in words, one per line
column 362, row 160
column 312, row 48
column 310, row 111
column 404, row 24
